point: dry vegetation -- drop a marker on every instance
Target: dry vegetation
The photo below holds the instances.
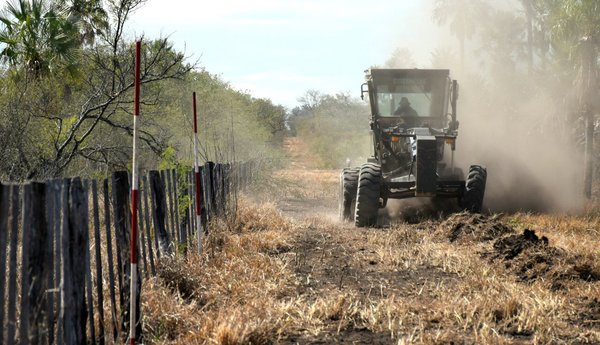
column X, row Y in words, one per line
column 276, row 280
column 287, row 273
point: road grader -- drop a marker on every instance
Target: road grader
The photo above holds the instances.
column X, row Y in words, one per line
column 414, row 131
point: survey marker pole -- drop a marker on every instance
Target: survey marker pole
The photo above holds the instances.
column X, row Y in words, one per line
column 134, row 199
column 197, row 179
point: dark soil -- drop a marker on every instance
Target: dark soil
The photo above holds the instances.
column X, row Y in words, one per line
column 511, row 246
column 527, row 255
column 532, row 258
column 467, row 227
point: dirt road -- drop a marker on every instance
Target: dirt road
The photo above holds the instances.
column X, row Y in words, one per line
column 463, row 279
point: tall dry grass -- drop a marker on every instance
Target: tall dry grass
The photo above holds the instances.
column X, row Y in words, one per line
column 227, row 296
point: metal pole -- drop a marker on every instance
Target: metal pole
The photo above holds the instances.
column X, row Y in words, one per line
column 197, row 179
column 134, row 198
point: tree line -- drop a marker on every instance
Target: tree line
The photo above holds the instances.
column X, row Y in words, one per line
column 66, row 76
column 536, row 62
column 334, row 127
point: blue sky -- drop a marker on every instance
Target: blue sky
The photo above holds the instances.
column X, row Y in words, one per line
column 279, row 49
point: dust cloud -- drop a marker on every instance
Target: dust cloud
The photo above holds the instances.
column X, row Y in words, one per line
column 531, row 162
column 520, row 121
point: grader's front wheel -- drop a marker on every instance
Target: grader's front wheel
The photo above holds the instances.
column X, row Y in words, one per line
column 367, row 196
column 472, row 199
column 347, row 196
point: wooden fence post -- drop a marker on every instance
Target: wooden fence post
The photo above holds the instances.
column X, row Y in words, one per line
column 74, row 311
column 122, row 221
column 12, row 264
column 227, row 183
column 223, row 188
column 142, row 236
column 204, row 209
column 167, row 218
column 87, row 264
column 62, row 216
column 220, row 186
column 185, row 217
column 4, row 207
column 209, row 201
column 182, row 237
column 37, row 265
column 25, row 231
column 48, row 208
column 204, row 203
column 147, row 222
column 109, row 255
column 52, row 217
column 174, row 231
column 157, row 190
column 99, row 283
column 192, row 207
column 216, row 189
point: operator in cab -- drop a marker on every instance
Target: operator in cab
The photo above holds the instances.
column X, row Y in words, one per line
column 404, row 109
column 408, row 114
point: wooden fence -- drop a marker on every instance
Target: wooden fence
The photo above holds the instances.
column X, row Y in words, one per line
column 64, row 248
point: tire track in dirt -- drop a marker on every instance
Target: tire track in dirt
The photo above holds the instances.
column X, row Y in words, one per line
column 339, row 260
column 335, row 258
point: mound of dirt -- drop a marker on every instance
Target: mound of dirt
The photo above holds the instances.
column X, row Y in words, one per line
column 527, row 255
column 530, row 258
column 466, row 227
column 511, row 246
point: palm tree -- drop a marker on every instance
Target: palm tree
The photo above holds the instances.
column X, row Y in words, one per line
column 37, row 37
column 576, row 27
column 90, row 18
column 463, row 17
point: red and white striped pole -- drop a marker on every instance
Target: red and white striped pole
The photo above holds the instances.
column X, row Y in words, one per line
column 134, row 198
column 197, row 179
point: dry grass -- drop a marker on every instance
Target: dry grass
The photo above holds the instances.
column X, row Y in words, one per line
column 306, row 279
column 578, row 234
column 406, row 284
column 229, row 296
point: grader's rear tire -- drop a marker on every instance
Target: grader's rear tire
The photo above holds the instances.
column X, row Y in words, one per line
column 472, row 199
column 347, row 196
column 367, row 195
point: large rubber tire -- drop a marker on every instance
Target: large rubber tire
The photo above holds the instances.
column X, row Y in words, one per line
column 472, row 199
column 347, row 195
column 367, row 195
